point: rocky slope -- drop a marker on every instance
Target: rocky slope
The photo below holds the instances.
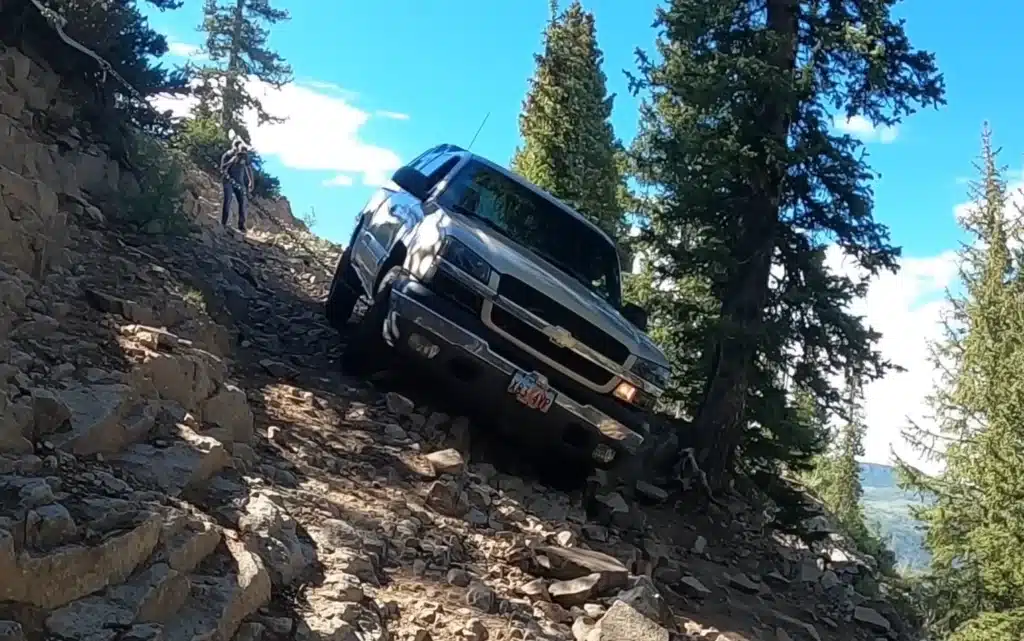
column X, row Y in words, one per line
column 180, row 460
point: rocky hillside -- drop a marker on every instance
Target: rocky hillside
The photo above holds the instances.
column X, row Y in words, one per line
column 180, row 460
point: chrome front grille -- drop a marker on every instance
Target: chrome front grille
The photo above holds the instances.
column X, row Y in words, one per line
column 555, row 313
column 548, row 314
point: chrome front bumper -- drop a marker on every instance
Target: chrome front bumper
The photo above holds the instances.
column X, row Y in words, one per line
column 413, row 311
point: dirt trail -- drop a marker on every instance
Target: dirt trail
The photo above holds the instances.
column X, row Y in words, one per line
column 180, row 459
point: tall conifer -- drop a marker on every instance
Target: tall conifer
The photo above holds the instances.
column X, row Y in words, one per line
column 569, row 147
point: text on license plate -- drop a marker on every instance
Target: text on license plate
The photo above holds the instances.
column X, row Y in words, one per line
column 531, row 391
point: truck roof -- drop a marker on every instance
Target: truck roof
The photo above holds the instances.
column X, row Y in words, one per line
column 532, row 187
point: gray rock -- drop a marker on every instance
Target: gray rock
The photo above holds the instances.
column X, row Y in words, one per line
column 49, row 526
column 572, row 563
column 581, row 628
column 575, row 592
column 448, row 461
column 651, row 492
column 645, row 599
column 345, row 587
column 50, row 412
column 700, row 545
column 398, row 404
column 459, row 577
column 743, row 582
column 229, row 409
column 871, row 618
column 481, row 597
column 622, row 622
column 537, row 588
column 270, row 532
column 829, row 580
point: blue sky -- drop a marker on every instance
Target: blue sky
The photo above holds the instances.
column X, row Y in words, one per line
column 378, row 82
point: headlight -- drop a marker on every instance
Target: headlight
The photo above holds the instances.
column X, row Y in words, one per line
column 652, row 372
column 456, row 253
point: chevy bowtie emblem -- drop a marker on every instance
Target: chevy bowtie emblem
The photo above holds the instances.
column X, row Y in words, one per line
column 560, row 336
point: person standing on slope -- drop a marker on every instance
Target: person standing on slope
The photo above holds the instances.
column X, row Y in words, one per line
column 237, row 172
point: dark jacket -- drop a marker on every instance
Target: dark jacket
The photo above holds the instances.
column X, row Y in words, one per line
column 235, row 165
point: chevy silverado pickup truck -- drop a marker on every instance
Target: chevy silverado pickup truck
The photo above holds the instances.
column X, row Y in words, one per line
column 505, row 293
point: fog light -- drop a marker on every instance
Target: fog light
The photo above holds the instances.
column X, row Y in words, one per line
column 625, row 391
column 602, row 453
column 422, row 346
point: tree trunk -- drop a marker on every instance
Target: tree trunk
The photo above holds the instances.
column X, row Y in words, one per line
column 230, row 104
column 722, row 412
column 721, row 416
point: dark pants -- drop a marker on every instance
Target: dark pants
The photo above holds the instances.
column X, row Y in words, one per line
column 230, row 190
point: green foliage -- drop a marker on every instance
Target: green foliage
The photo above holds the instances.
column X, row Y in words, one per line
column 905, row 593
column 236, row 43
column 992, row 626
column 160, row 171
column 203, row 141
column 118, row 33
column 976, row 523
column 678, row 311
column 569, row 147
column 752, row 185
column 835, row 476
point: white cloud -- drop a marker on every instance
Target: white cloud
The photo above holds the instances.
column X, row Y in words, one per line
column 330, row 87
column 861, row 127
column 906, row 309
column 320, row 133
column 392, row 115
column 341, row 180
column 185, row 50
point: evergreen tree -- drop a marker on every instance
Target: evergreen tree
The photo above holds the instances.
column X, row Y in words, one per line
column 118, row 33
column 569, row 147
column 975, row 526
column 836, row 477
column 236, row 43
column 736, row 138
column 845, row 492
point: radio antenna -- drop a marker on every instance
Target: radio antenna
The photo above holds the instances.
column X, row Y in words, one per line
column 478, row 129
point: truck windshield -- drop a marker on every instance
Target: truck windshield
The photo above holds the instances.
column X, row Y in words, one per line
column 532, row 220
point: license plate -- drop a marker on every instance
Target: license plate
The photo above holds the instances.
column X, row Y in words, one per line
column 532, row 391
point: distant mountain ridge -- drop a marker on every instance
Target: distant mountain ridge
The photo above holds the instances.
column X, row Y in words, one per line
column 887, row 508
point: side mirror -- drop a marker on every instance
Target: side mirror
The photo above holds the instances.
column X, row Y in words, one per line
column 411, row 181
column 636, row 315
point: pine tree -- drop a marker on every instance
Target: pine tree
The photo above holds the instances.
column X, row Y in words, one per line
column 120, row 34
column 975, row 525
column 846, row 491
column 836, row 477
column 569, row 147
column 736, row 138
column 236, row 43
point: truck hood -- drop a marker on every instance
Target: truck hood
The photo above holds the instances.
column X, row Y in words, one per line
column 510, row 257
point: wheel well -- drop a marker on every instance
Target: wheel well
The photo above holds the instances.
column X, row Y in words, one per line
column 394, row 259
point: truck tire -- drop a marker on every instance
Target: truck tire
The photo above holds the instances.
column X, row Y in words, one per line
column 367, row 352
column 344, row 292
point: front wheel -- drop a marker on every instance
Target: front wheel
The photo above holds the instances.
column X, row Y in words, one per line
column 344, row 292
column 367, row 352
